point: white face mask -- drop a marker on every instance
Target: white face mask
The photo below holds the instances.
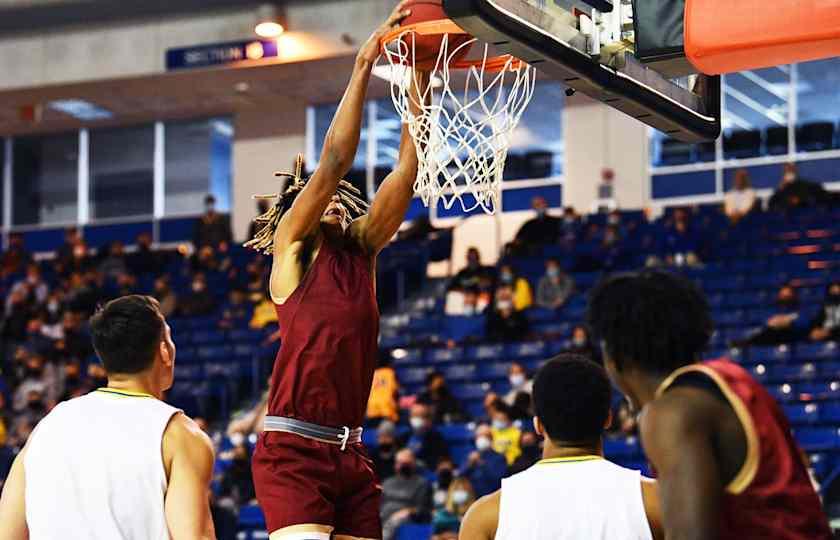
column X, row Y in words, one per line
column 237, row 439
column 500, row 424
column 460, row 496
column 504, row 305
column 517, row 380
column 440, row 498
column 482, row 443
column 417, row 423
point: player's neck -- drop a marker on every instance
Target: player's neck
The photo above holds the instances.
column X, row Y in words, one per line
column 553, row 451
column 140, row 384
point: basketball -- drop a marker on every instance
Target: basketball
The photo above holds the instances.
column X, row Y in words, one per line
column 427, row 48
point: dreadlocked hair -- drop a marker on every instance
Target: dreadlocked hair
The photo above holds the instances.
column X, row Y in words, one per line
column 654, row 320
column 263, row 240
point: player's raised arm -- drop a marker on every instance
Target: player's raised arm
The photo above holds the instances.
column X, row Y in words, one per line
column 677, row 435
column 188, row 453
column 394, row 196
column 12, row 506
column 340, row 145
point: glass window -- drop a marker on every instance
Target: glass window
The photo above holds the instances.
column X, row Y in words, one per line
column 122, row 172
column 198, row 162
column 538, row 138
column 818, row 105
column 45, row 179
column 323, row 118
column 756, row 107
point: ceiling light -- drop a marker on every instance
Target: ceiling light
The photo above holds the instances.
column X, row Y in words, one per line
column 268, row 22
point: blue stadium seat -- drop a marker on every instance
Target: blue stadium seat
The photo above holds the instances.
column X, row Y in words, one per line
column 436, row 356
column 251, row 517
column 622, row 446
column 459, row 372
column 413, row 375
column 769, row 355
column 526, row 349
column 818, row 438
column 210, row 352
column 201, row 337
column 407, row 356
column 802, row 413
column 456, row 433
column 830, row 412
column 814, row 351
column 485, row 352
column 497, row 370
column 469, row 390
column 414, row 531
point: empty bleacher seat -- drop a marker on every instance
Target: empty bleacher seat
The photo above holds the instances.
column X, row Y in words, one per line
column 413, row 375
column 407, row 356
column 777, row 140
column 802, row 413
column 459, row 372
column 456, row 433
column 815, row 136
column 815, row 351
column 769, row 354
column 485, row 352
column 414, row 531
column 818, row 438
column 251, row 517
column 742, row 143
column 526, row 349
column 496, row 370
column 622, row 447
column 466, row 391
column 436, row 356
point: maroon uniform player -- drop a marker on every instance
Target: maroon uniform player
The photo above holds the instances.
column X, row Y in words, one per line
column 313, row 478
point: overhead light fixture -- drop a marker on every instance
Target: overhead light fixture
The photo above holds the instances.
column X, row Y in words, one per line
column 80, row 109
column 268, row 22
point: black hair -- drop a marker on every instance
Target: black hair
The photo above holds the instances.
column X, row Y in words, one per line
column 126, row 333
column 572, row 397
column 210, row 199
column 655, row 320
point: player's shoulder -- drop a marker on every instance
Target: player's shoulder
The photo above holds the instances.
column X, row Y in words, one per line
column 183, row 433
column 482, row 519
column 680, row 409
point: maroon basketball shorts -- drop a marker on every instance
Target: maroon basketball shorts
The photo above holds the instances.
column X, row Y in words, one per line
column 301, row 481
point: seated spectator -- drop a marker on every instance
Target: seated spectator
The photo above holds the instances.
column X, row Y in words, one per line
column 406, row 496
column 826, row 325
column 522, row 297
column 504, row 323
column 34, row 409
column 786, row 326
column 555, row 287
column 96, row 376
column 199, row 301
column 580, row 343
column 469, row 276
column 249, row 422
column 680, row 244
column 113, row 260
column 145, row 260
column 741, row 199
column 237, row 484
column 126, row 284
column 40, row 378
column 236, row 310
column 519, row 382
column 32, row 286
column 445, row 408
column 796, row 192
column 212, row 228
column 506, row 435
column 204, row 260
column 165, row 296
column 485, row 467
column 64, row 254
column 385, row 389
column 537, row 232
column 265, row 311
column 444, row 475
column 447, row 521
column 424, row 440
column 386, row 449
column 15, row 257
column 71, row 384
column 531, row 453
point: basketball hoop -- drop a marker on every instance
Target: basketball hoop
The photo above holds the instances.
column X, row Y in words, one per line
column 462, row 137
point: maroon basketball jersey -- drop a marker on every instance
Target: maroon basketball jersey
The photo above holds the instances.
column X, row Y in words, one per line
column 328, row 341
column 771, row 497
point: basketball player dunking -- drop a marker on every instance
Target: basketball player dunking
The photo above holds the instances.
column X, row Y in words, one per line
column 727, row 464
column 117, row 463
column 573, row 493
column 312, row 475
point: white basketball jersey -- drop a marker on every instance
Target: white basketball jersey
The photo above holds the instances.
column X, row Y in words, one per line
column 581, row 498
column 94, row 469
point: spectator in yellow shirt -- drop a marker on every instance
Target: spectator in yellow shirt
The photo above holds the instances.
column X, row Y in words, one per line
column 382, row 403
column 522, row 296
column 506, row 436
column 264, row 313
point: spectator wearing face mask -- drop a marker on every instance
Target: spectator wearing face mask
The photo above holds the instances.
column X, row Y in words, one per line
column 537, row 232
column 786, row 326
column 445, row 407
column 212, row 228
column 555, row 287
column 826, row 325
column 425, row 441
column 531, row 453
column 444, row 475
column 447, row 521
column 72, row 384
column 580, row 343
column 504, row 323
column 485, row 467
column 34, row 409
column 741, row 200
column 522, row 297
column 519, row 384
column 32, row 286
column 386, row 449
column 506, row 435
column 406, row 496
column 38, row 377
column 199, row 301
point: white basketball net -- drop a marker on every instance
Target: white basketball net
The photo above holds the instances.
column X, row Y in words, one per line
column 462, row 137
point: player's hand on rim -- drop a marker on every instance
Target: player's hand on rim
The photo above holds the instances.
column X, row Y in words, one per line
column 370, row 50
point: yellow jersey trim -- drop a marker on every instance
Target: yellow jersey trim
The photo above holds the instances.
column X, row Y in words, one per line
column 123, row 393
column 746, row 475
column 571, row 459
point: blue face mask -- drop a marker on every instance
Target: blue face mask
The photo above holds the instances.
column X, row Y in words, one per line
column 552, row 272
